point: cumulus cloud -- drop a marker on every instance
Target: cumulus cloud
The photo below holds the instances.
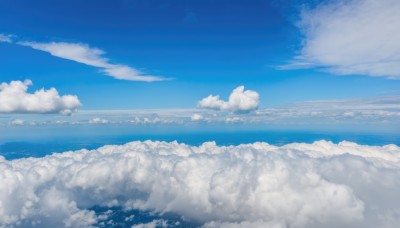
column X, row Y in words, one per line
column 153, row 224
column 14, row 98
column 352, row 37
column 197, row 117
column 82, row 53
column 5, row 38
column 240, row 100
column 250, row 185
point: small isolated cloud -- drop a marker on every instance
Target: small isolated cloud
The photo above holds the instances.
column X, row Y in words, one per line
column 98, row 121
column 240, row 100
column 5, row 38
column 17, row 122
column 14, row 98
column 82, row 53
column 233, row 119
column 352, row 37
column 197, row 117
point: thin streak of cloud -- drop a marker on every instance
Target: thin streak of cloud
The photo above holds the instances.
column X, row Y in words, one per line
column 83, row 53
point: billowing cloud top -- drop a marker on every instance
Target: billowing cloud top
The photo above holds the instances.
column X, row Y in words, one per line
column 250, row 185
column 14, row 98
column 82, row 53
column 240, row 100
column 352, row 37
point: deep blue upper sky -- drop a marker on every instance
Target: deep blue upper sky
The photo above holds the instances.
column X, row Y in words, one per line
column 208, row 47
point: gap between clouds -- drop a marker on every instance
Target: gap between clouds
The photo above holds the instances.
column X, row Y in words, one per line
column 351, row 37
column 83, row 53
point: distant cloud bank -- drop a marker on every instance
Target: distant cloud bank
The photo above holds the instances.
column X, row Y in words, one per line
column 240, row 100
column 250, row 185
column 351, row 37
column 368, row 113
column 14, row 98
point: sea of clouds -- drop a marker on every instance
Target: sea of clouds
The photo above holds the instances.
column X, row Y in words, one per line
column 250, row 185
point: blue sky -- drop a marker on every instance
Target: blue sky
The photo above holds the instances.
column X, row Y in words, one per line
column 207, row 47
column 202, row 48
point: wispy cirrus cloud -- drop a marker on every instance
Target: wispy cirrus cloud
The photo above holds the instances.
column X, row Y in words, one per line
column 351, row 37
column 83, row 53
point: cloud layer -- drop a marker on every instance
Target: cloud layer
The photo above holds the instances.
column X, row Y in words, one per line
column 366, row 114
column 14, row 98
column 240, row 100
column 250, row 185
column 82, row 53
column 352, row 37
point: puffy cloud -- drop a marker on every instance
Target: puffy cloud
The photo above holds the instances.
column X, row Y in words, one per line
column 5, row 38
column 14, row 98
column 352, row 37
column 82, row 53
column 250, row 185
column 153, row 224
column 197, row 117
column 240, row 100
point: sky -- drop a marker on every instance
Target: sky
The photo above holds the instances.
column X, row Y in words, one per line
column 220, row 113
column 163, row 55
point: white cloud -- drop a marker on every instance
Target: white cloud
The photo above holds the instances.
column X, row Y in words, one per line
column 153, row 224
column 233, row 119
column 149, row 120
column 240, row 100
column 366, row 114
column 98, row 121
column 197, row 117
column 17, row 122
column 251, row 185
column 82, row 53
column 352, row 37
column 14, row 98
column 5, row 38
